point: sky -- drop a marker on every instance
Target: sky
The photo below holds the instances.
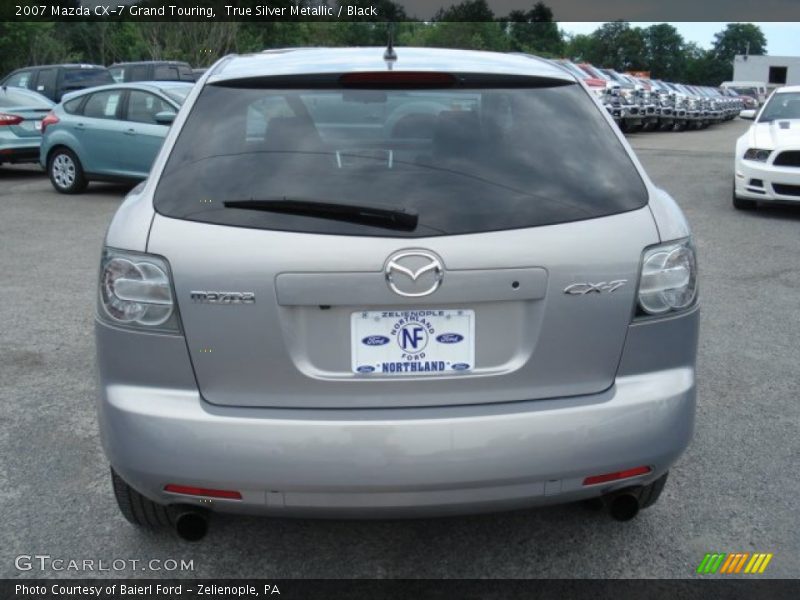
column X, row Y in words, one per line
column 782, row 38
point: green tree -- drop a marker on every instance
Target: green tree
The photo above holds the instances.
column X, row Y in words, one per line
column 535, row 31
column 701, row 67
column 24, row 43
column 467, row 35
column 469, row 24
column 739, row 38
column 736, row 38
column 579, row 47
column 664, row 52
column 619, row 46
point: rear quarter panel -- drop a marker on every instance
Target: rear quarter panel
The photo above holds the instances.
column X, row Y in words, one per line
column 61, row 135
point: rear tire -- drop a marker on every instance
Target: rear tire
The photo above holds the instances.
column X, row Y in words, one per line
column 66, row 172
column 137, row 509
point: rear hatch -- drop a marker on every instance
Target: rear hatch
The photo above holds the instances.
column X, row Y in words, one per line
column 492, row 256
column 29, row 108
column 30, row 125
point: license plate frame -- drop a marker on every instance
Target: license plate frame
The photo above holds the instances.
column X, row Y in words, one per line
column 412, row 342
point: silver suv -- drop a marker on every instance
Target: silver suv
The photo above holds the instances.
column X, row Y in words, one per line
column 359, row 284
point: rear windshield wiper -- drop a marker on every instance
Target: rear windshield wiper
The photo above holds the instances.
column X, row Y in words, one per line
column 352, row 213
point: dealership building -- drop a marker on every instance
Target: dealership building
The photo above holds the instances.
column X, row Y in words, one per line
column 775, row 71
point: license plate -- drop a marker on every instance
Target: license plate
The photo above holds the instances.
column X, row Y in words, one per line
column 413, row 342
column 37, row 125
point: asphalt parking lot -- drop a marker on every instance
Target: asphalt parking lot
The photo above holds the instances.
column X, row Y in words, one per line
column 736, row 489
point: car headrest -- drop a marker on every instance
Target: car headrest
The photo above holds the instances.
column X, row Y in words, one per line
column 415, row 125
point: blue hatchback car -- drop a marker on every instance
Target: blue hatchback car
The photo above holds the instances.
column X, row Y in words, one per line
column 108, row 133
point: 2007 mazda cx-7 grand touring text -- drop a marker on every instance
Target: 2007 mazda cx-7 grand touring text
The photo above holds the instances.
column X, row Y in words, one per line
column 361, row 284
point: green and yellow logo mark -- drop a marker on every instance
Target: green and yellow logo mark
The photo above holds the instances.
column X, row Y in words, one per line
column 737, row 562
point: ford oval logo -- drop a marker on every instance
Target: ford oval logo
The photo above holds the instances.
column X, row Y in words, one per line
column 449, row 338
column 375, row 340
column 365, row 369
column 460, row 367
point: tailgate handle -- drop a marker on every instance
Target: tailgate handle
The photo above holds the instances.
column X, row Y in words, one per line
column 370, row 288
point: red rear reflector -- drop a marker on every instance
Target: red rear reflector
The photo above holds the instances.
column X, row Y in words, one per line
column 195, row 491
column 50, row 119
column 398, row 78
column 10, row 119
column 594, row 479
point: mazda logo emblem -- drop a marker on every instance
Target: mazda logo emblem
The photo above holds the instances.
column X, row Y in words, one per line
column 414, row 273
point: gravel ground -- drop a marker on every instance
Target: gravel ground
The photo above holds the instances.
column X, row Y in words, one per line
column 736, row 488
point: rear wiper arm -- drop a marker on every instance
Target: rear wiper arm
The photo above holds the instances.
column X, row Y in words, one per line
column 351, row 213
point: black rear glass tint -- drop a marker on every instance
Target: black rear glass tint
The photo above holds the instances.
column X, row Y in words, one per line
column 72, row 106
column 464, row 160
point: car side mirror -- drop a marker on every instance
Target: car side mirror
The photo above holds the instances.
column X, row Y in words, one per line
column 748, row 114
column 165, row 117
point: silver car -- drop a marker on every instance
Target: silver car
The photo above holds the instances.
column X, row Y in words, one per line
column 365, row 284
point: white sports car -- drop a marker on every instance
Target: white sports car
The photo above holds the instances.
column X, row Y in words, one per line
column 767, row 162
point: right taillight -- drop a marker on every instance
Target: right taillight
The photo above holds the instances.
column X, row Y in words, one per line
column 50, row 119
column 668, row 280
column 136, row 291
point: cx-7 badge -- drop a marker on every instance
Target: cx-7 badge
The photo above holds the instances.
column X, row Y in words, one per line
column 581, row 289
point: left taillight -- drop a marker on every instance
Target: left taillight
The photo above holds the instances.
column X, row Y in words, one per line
column 135, row 290
column 50, row 119
column 668, row 280
column 6, row 119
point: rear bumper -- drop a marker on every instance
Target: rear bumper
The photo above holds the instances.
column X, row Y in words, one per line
column 405, row 461
column 19, row 154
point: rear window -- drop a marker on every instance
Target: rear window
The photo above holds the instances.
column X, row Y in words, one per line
column 73, row 106
column 84, row 78
column 166, row 73
column 22, row 79
column 465, row 160
column 746, row 91
column 186, row 74
column 178, row 93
